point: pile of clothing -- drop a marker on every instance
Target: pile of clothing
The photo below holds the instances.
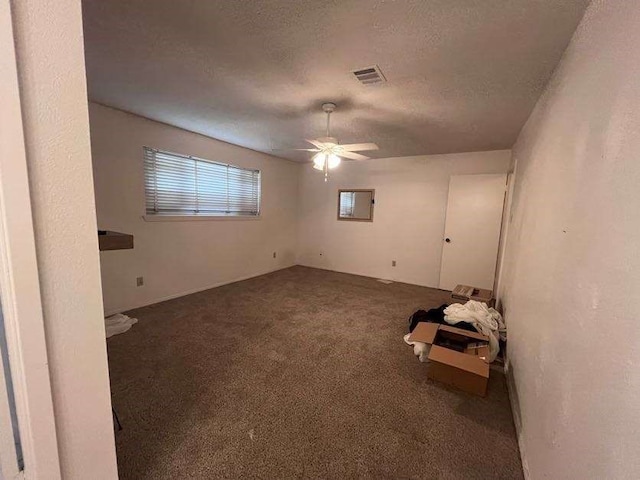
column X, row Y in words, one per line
column 473, row 316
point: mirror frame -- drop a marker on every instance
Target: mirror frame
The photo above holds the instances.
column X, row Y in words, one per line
column 373, row 202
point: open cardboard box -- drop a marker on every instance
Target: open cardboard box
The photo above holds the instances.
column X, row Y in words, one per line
column 457, row 357
column 464, row 293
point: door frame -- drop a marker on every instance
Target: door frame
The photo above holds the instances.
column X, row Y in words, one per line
column 20, row 286
column 507, row 217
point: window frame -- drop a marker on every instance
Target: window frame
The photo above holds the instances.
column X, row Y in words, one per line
column 372, row 191
column 193, row 216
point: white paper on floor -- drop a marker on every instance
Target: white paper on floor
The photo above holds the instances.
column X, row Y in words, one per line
column 420, row 350
column 118, row 323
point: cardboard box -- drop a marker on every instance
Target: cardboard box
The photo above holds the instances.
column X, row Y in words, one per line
column 464, row 293
column 457, row 357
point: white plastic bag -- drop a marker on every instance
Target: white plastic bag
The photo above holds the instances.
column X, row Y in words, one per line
column 420, row 350
column 118, row 323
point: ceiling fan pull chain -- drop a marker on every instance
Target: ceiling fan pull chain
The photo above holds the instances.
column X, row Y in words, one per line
column 326, row 169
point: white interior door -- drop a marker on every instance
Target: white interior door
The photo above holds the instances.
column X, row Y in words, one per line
column 472, row 230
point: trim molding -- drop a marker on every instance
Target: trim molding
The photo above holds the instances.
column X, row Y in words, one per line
column 517, row 417
column 359, row 274
column 20, row 282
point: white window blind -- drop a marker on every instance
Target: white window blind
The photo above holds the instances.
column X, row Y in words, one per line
column 347, row 203
column 184, row 185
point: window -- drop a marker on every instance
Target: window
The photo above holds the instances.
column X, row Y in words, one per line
column 347, row 203
column 184, row 185
column 356, row 205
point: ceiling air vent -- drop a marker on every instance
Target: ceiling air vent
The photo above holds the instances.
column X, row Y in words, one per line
column 370, row 75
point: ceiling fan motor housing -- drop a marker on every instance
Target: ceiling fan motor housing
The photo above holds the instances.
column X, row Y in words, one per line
column 328, row 107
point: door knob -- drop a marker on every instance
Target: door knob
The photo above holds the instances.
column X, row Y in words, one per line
column 448, row 240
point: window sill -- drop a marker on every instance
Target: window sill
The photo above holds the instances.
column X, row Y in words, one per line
column 196, row 218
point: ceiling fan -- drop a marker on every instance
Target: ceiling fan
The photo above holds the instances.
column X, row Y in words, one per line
column 329, row 152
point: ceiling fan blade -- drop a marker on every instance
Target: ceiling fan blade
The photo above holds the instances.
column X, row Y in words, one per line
column 358, row 147
column 295, row 150
column 315, row 143
column 352, row 156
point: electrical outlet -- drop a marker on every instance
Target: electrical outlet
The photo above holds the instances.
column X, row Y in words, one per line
column 139, row 281
column 274, row 254
column 393, row 263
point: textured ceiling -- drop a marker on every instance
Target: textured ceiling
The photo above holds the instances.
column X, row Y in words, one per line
column 463, row 75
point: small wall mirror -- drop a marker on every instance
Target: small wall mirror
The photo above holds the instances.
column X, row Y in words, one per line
column 356, row 205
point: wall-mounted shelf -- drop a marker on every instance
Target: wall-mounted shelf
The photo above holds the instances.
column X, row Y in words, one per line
column 109, row 240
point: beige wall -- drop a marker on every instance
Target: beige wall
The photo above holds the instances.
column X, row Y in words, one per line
column 50, row 57
column 176, row 258
column 572, row 269
column 409, row 214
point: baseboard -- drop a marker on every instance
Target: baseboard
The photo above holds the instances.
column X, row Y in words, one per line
column 192, row 291
column 517, row 418
column 359, row 274
column 113, row 311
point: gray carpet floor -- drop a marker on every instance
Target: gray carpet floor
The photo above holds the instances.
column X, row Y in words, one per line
column 301, row 373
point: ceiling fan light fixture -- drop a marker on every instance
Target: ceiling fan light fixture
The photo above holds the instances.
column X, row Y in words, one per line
column 331, row 160
column 319, row 160
column 329, row 153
